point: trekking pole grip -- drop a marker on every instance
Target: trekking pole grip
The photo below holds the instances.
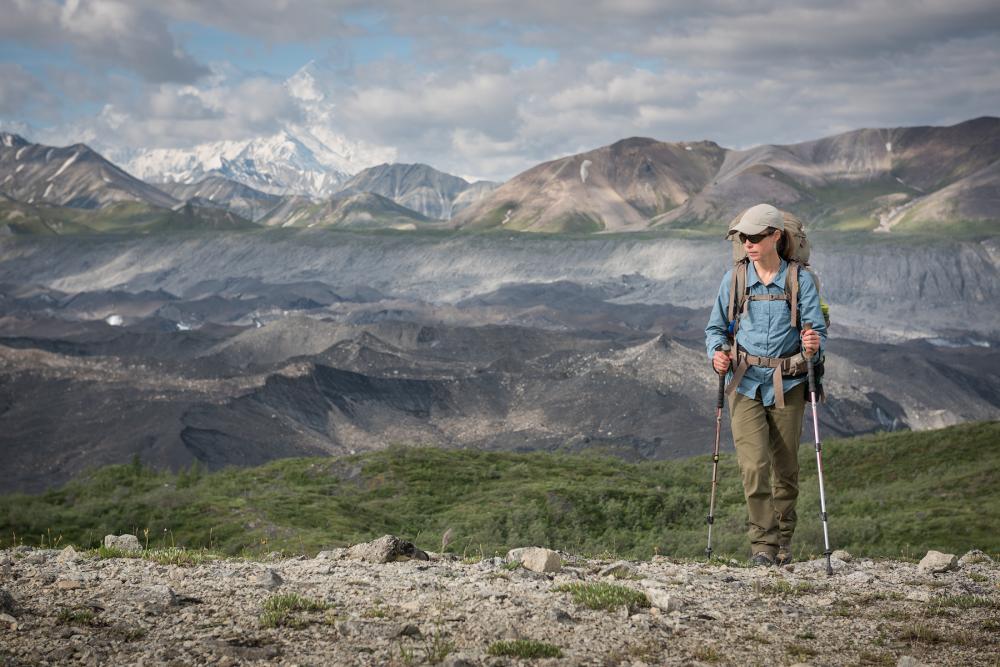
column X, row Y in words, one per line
column 806, row 326
column 722, row 382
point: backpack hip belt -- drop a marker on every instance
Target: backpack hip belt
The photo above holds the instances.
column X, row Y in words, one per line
column 792, row 365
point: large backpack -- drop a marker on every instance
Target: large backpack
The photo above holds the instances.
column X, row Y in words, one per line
column 794, row 249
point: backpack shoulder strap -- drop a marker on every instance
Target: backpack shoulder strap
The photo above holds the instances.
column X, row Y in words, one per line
column 738, row 292
column 792, row 288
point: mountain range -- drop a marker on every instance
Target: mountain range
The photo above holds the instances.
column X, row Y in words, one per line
column 899, row 179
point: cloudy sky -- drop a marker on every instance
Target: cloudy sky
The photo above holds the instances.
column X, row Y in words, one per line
column 488, row 88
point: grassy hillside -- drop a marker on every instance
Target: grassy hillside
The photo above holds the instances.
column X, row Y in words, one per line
column 888, row 495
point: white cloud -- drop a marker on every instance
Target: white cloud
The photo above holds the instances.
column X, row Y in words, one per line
column 108, row 33
column 21, row 92
column 494, row 87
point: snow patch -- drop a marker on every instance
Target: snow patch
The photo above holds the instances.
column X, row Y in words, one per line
column 506, row 217
column 958, row 342
column 19, row 168
column 48, row 154
column 8, row 141
column 65, row 164
column 888, row 147
column 688, row 148
column 47, row 191
column 585, row 170
column 114, row 320
column 17, row 155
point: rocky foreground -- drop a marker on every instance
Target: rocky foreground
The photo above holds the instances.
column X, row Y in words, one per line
column 351, row 607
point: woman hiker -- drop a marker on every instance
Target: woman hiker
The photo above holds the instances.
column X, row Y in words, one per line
column 766, row 410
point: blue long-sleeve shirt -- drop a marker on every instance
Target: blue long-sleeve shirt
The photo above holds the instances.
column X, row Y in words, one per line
column 765, row 329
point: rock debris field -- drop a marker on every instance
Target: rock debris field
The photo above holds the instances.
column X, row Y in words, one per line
column 389, row 603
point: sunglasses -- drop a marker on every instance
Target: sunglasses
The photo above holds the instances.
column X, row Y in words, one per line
column 755, row 238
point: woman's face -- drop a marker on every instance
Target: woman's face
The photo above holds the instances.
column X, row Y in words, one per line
column 761, row 246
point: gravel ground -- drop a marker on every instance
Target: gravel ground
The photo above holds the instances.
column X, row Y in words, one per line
column 64, row 607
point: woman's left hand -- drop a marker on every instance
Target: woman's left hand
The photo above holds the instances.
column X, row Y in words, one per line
column 810, row 342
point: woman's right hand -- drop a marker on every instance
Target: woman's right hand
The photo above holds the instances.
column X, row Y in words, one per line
column 720, row 361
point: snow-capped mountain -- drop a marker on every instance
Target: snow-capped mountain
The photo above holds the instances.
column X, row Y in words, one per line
column 310, row 158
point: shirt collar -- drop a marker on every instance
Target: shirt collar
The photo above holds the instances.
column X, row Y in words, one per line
column 779, row 279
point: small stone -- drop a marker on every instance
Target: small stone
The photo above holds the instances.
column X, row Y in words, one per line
column 559, row 616
column 331, row 554
column 918, row 596
column 386, row 549
column 935, row 562
column 909, row 661
column 7, row 604
column 975, row 556
column 269, row 579
column 9, row 620
column 538, row 559
column 68, row 555
column 859, row 578
column 511, row 633
column 124, row 542
column 351, row 628
column 663, row 600
column 840, row 554
column 68, row 584
column 408, row 630
column 619, row 570
column 159, row 597
column 459, row 660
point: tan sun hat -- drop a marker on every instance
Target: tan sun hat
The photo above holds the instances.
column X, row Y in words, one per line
column 757, row 219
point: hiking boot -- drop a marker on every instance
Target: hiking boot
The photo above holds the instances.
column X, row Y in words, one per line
column 761, row 559
column 784, row 556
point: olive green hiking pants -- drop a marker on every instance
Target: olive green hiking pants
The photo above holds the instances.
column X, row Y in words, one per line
column 767, row 445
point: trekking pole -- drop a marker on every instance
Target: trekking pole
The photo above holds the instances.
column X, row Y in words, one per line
column 715, row 455
column 819, row 458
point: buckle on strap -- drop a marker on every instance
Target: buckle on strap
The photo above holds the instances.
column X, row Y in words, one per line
column 744, row 360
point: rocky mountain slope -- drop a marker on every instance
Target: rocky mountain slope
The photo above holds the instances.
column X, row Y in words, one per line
column 223, row 192
column 415, row 186
column 74, row 176
column 854, row 180
column 614, row 188
column 351, row 607
column 360, row 210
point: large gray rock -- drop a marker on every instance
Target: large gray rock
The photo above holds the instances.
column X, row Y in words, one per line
column 935, row 562
column 124, row 542
column 385, row 549
column 538, row 559
column 516, row 555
